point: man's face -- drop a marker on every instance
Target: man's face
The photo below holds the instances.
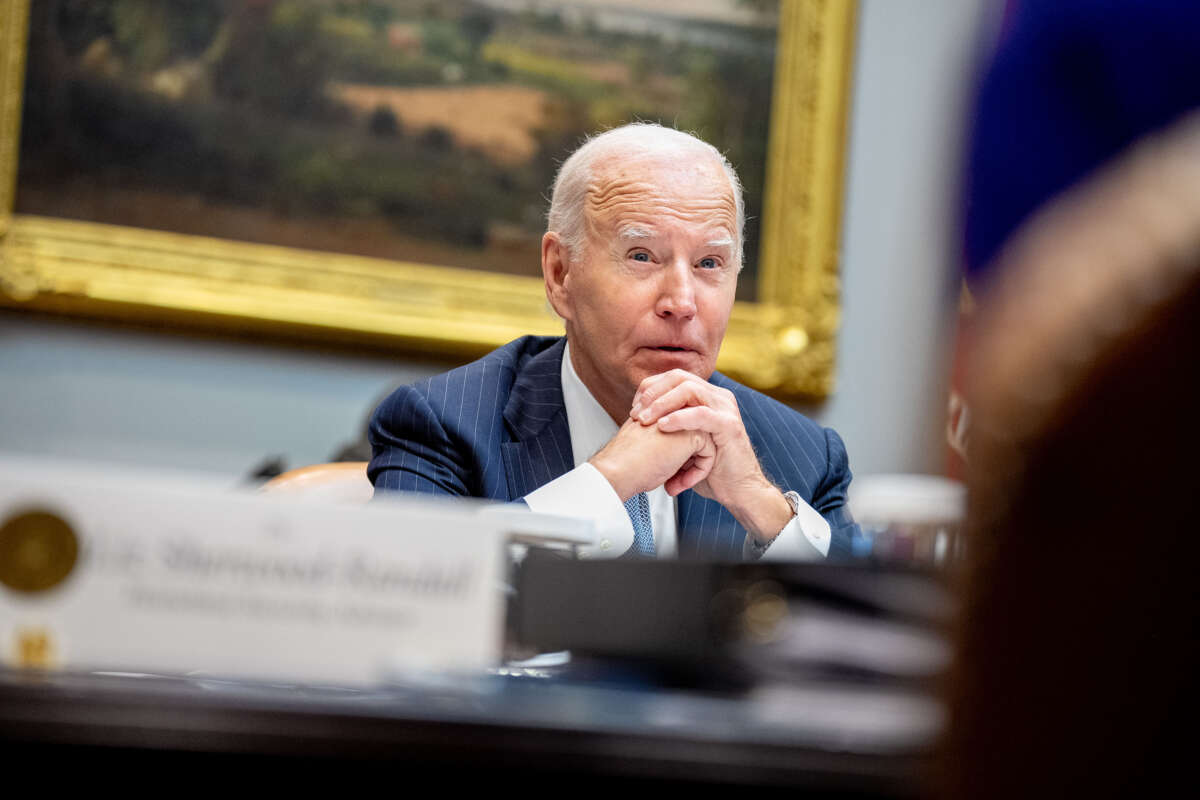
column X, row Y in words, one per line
column 654, row 286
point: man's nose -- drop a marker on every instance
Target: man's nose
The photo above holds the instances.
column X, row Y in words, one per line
column 677, row 294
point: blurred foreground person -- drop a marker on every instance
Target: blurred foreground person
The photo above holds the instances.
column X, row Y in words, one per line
column 1076, row 657
column 624, row 421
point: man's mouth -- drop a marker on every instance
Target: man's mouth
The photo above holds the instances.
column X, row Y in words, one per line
column 671, row 349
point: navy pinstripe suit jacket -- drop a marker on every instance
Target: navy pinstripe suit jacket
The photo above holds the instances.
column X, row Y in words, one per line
column 497, row 428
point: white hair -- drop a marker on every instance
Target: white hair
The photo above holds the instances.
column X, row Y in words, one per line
column 566, row 217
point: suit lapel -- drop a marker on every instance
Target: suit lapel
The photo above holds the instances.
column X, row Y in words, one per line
column 540, row 450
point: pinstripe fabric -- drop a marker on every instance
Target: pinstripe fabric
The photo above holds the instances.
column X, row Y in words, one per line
column 497, row 428
column 796, row 454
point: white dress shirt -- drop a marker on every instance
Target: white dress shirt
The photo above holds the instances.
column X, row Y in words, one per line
column 584, row 492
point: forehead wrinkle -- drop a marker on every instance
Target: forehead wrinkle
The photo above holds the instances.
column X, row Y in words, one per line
column 616, row 195
column 644, row 194
column 641, row 212
column 601, row 193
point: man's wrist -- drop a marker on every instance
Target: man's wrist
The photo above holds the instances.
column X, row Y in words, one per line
column 765, row 514
column 613, row 474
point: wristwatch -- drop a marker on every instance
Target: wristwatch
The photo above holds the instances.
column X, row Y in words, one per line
column 757, row 549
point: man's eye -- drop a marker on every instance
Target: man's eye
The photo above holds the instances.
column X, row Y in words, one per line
column 640, row 256
column 709, row 263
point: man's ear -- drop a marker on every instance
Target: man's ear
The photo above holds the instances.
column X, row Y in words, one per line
column 555, row 272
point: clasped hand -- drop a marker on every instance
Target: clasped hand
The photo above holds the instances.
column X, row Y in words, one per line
column 685, row 433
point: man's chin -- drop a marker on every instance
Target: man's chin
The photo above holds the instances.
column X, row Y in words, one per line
column 654, row 360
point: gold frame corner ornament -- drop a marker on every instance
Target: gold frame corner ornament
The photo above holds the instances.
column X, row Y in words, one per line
column 784, row 343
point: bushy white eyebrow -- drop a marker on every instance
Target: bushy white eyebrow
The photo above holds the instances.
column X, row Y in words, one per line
column 633, row 232
column 725, row 242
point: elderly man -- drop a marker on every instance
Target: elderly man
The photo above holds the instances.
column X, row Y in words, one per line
column 625, row 421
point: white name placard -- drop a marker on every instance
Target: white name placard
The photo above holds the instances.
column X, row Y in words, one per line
column 111, row 570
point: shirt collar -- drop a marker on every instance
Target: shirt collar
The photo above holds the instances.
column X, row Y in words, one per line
column 590, row 425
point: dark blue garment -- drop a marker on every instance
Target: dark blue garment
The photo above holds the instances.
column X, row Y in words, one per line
column 497, row 429
column 1072, row 84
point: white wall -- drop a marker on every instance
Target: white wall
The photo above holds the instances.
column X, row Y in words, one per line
column 71, row 389
column 75, row 390
column 913, row 75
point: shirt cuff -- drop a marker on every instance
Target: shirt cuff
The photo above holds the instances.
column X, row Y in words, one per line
column 585, row 493
column 805, row 538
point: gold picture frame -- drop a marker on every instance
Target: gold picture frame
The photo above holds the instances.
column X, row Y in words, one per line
column 784, row 343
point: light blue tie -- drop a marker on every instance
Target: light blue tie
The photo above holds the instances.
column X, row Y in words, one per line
column 638, row 507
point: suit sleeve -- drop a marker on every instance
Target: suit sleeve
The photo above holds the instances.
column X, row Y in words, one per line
column 830, row 498
column 411, row 451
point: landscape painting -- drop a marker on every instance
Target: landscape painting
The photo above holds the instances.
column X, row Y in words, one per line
column 418, row 131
